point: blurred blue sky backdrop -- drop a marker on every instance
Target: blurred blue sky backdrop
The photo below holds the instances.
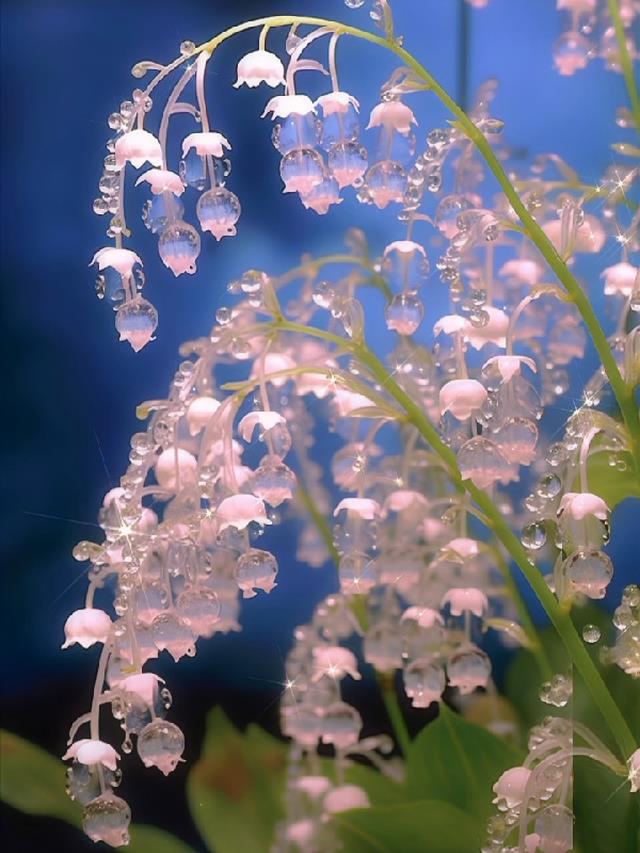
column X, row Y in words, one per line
column 69, row 408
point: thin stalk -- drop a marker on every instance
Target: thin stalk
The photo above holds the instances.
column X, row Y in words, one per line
column 622, row 392
column 319, row 520
column 626, row 63
column 386, row 680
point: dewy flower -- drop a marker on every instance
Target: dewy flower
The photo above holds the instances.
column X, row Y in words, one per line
column 144, row 685
column 493, row 332
column 282, row 106
column 462, row 397
column 200, row 412
column 579, row 505
column 161, row 180
column 335, row 662
column 362, row 507
column 240, row 510
column 509, row 365
column 267, row 420
column 522, row 270
column 86, row 627
column 121, row 260
column 511, row 786
column 209, row 143
column 402, row 499
column 468, row 599
column 346, row 797
column 621, row 278
column 260, row 66
column 426, row 617
column 450, row 324
column 337, row 102
column 393, row 115
column 589, row 236
column 463, row 547
column 90, row 752
column 176, row 467
column 138, row 147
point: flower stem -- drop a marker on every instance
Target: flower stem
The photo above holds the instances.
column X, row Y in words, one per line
column 386, row 680
column 623, row 392
column 626, row 63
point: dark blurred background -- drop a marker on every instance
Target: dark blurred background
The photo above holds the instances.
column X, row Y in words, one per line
column 69, row 403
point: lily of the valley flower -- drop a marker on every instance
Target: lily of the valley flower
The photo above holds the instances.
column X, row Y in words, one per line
column 493, row 332
column 121, row 260
column 260, row 66
column 462, row 397
column 162, row 180
column 621, row 278
column 144, row 685
column 282, row 106
column 86, row 627
column 200, row 412
column 337, row 102
column 509, row 365
column 344, row 798
column 579, row 505
column 393, row 115
column 589, row 236
column 463, row 547
column 208, row 143
column 335, row 662
column 176, row 467
column 87, row 751
column 365, row 508
column 138, row 147
column 267, row 420
column 240, row 510
column 523, row 270
column 426, row 617
column 467, row 599
column 511, row 786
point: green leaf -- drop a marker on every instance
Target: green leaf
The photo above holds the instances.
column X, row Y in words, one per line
column 150, row 839
column 380, row 789
column 612, row 485
column 458, row 761
column 607, row 814
column 235, row 791
column 424, row 826
column 33, row 781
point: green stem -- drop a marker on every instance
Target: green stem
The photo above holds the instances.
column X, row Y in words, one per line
column 626, row 63
column 319, row 520
column 386, row 680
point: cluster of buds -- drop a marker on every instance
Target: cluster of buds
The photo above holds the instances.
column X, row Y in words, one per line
column 589, row 33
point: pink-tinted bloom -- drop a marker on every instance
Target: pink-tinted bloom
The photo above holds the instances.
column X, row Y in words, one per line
column 274, row 362
column 267, row 420
column 138, row 147
column 346, row 797
column 426, row 617
column 633, row 763
column 362, row 507
column 282, row 106
column 465, row 599
column 347, row 402
column 578, row 6
column 200, row 412
column 511, row 786
column 144, row 685
column 121, row 260
column 161, row 181
column 589, row 237
column 493, row 332
column 88, row 751
column 468, row 669
column 393, row 115
column 322, row 195
column 334, row 661
column 260, row 66
column 337, row 102
column 240, row 510
column 450, row 324
column 301, row 832
column 176, row 468
column 509, row 365
column 403, row 499
column 404, row 247
column 464, row 548
column 206, row 143
column 313, row 786
column 621, row 278
column 86, row 627
column 523, row 270
column 579, row 505
column 462, row 397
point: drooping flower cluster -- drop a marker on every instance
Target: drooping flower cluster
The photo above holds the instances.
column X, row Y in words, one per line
column 448, row 419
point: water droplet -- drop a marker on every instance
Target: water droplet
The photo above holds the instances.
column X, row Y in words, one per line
column 534, row 536
column 591, row 633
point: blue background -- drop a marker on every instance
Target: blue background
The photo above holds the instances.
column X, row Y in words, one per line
column 70, row 389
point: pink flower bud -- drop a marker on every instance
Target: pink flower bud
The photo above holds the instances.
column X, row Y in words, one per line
column 346, row 797
column 260, row 66
column 578, row 505
column 337, row 102
column 88, row 751
column 161, row 180
column 240, row 510
column 362, row 507
column 206, row 143
column 621, row 278
column 282, row 106
column 200, row 412
column 138, row 147
column 86, row 627
column 335, row 662
column 462, row 397
column 267, row 420
column 121, row 260
column 465, row 599
column 176, row 468
column 510, row 787
column 393, row 115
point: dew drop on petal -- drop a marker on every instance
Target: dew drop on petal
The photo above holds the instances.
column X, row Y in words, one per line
column 591, row 633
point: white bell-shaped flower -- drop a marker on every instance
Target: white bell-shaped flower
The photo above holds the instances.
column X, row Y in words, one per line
column 138, row 147
column 260, row 66
column 462, row 397
column 88, row 751
column 85, row 627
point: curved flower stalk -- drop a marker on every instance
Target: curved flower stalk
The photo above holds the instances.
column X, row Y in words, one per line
column 415, row 509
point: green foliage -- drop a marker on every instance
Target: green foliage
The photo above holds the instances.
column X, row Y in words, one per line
column 423, row 826
column 33, row 781
column 235, row 790
column 457, row 761
column 607, row 815
column 611, row 484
